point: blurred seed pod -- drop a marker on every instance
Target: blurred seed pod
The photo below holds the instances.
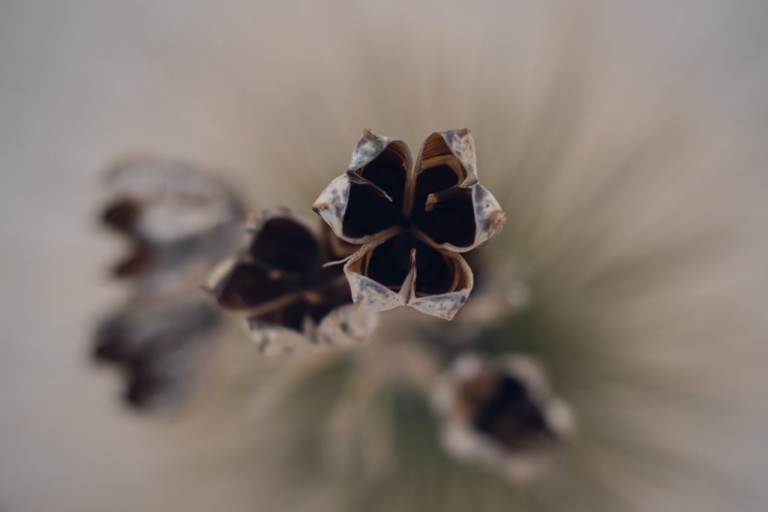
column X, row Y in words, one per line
column 159, row 342
column 501, row 413
column 280, row 283
column 176, row 218
column 179, row 221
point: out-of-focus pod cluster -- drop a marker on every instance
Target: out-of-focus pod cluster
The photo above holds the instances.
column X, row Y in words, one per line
column 177, row 222
column 392, row 236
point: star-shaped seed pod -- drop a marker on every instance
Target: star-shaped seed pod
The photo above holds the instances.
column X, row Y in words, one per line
column 412, row 220
column 279, row 281
column 501, row 413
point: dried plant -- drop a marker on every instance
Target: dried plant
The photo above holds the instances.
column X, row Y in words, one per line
column 608, row 341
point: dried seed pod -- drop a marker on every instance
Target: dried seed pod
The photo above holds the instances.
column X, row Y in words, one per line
column 179, row 221
column 502, row 414
column 161, row 201
column 159, row 341
column 176, row 218
column 279, row 282
column 167, row 374
column 411, row 220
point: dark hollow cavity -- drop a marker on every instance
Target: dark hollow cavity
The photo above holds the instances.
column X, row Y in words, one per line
column 144, row 390
column 510, row 417
column 111, row 343
column 391, row 261
column 434, row 272
column 431, row 181
column 388, row 173
column 450, row 221
column 368, row 212
column 286, row 245
column 122, row 215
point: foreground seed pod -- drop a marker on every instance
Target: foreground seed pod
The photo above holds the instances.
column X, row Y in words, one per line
column 290, row 299
column 501, row 413
column 411, row 221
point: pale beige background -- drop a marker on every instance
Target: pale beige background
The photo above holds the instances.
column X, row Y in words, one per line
column 84, row 81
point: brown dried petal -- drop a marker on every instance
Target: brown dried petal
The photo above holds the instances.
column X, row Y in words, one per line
column 449, row 205
column 293, row 313
column 280, row 262
column 369, row 196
